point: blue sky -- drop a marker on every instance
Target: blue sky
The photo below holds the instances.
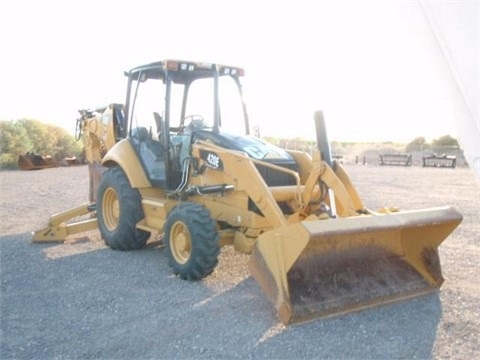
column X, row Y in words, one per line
column 370, row 65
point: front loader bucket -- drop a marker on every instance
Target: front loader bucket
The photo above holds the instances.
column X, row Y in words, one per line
column 321, row 268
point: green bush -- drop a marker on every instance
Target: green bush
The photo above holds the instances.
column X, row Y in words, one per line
column 27, row 135
column 446, row 141
column 421, row 144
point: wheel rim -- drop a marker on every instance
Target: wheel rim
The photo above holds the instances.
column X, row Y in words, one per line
column 180, row 242
column 110, row 209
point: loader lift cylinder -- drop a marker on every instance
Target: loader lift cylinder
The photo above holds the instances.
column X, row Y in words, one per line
column 322, row 139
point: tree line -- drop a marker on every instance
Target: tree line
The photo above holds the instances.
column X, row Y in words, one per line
column 28, row 135
column 417, row 144
column 421, row 144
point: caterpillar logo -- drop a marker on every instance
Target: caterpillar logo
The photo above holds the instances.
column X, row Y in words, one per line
column 212, row 160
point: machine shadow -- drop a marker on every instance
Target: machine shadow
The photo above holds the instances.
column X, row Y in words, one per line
column 387, row 331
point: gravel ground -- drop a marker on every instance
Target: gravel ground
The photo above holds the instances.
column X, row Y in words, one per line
column 83, row 300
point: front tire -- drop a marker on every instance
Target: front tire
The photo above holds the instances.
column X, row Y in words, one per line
column 191, row 241
column 119, row 209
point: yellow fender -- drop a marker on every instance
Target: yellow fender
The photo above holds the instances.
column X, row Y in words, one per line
column 123, row 155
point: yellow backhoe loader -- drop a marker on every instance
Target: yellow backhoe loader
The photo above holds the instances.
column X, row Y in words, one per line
column 182, row 164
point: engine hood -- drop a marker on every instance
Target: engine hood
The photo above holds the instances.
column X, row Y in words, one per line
column 254, row 147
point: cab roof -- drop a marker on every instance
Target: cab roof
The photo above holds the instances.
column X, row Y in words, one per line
column 182, row 71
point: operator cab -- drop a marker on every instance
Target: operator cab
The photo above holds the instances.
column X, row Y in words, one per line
column 170, row 104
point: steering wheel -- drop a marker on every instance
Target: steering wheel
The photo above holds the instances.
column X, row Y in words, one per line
column 195, row 122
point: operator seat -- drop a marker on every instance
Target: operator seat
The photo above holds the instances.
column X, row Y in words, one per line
column 140, row 134
column 119, row 121
column 158, row 122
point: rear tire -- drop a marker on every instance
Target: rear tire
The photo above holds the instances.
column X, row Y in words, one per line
column 191, row 241
column 119, row 209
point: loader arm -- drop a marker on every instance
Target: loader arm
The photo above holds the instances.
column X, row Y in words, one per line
column 347, row 201
column 224, row 166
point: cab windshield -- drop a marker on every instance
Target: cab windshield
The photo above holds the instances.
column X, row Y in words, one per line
column 192, row 101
